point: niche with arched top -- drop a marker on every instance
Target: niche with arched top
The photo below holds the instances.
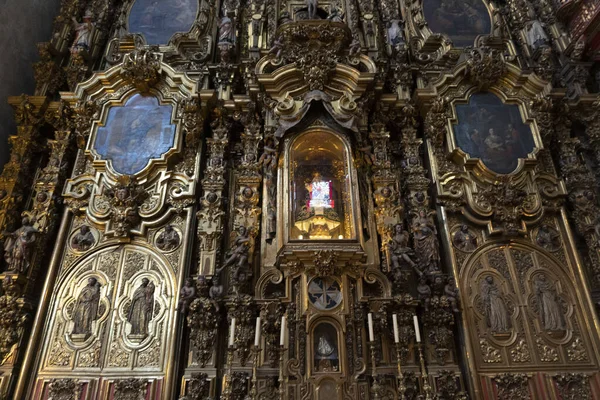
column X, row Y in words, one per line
column 326, row 354
column 320, row 192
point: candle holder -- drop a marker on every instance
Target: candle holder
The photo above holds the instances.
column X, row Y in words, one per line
column 376, row 386
column 255, row 357
column 282, row 350
column 426, row 386
column 401, row 384
column 226, row 395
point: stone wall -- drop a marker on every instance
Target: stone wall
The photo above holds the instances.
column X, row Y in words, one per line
column 23, row 23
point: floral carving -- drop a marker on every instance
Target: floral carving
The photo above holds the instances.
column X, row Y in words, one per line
column 130, row 389
column 203, row 321
column 485, row 66
column 573, row 386
column 64, row 389
column 125, row 200
column 512, row 386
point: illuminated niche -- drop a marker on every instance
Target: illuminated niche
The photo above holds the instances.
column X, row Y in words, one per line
column 320, row 188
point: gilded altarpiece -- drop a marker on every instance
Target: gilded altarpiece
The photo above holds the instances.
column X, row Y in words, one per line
column 526, row 306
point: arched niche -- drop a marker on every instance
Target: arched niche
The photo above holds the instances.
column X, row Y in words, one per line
column 158, row 21
column 320, row 196
column 325, row 352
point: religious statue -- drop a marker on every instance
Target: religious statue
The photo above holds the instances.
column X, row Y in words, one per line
column 550, row 310
column 83, row 32
column 86, row 310
column 464, row 240
column 425, row 242
column 187, row 295
column 84, row 239
column 216, row 290
column 312, row 6
column 397, row 249
column 536, row 36
column 18, row 245
column 495, row 309
column 168, row 239
column 424, row 292
column 226, row 30
column 547, row 238
column 335, row 15
column 324, row 348
column 395, row 34
column 276, row 50
column 451, row 293
column 142, row 308
column 238, row 254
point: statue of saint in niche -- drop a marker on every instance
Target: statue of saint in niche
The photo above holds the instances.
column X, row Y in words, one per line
column 426, row 242
column 83, row 32
column 142, row 308
column 495, row 309
column 548, row 238
column 84, row 239
column 18, row 245
column 86, row 310
column 550, row 310
column 326, row 352
column 168, row 239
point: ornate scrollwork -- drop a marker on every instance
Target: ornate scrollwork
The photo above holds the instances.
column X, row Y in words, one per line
column 572, row 386
column 124, row 200
column 131, row 389
column 64, row 389
column 142, row 68
column 512, row 386
column 485, row 66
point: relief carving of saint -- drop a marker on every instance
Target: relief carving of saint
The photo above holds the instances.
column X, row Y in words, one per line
column 495, row 308
column 550, row 310
column 86, row 310
column 142, row 308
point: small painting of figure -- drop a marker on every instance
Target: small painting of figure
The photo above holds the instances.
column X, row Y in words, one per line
column 493, row 132
column 159, row 20
column 461, row 20
column 135, row 133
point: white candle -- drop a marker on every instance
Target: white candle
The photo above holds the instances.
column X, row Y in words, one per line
column 396, row 333
column 257, row 333
column 232, row 332
column 283, row 331
column 371, row 335
column 417, row 331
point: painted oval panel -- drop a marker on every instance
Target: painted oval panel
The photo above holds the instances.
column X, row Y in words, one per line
column 461, row 20
column 159, row 20
column 135, row 133
column 493, row 132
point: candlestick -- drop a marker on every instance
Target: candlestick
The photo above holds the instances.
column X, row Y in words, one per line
column 376, row 387
column 257, row 333
column 282, row 349
column 232, row 332
column 256, row 355
column 396, row 333
column 426, row 386
column 417, row 331
column 401, row 385
column 226, row 395
column 283, row 331
column 371, row 335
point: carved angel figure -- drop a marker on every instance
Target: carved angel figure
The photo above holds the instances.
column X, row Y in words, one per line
column 17, row 248
column 142, row 308
column 187, row 294
column 398, row 249
column 238, row 255
column 464, row 240
column 495, row 309
column 551, row 313
column 86, row 308
column 226, row 30
column 83, row 33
